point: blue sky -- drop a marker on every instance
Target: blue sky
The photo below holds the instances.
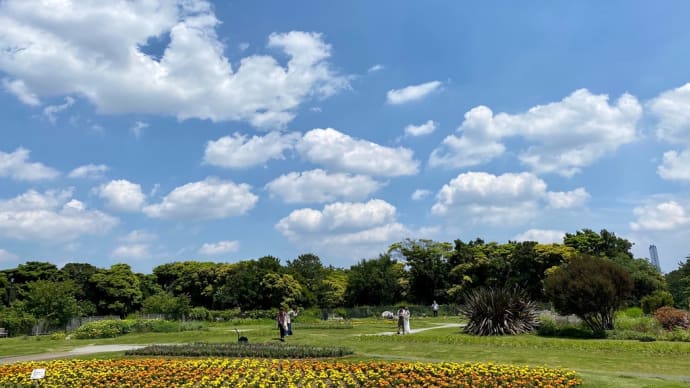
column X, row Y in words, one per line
column 151, row 132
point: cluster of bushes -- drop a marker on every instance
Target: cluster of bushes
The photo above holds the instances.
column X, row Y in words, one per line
column 263, row 350
column 110, row 328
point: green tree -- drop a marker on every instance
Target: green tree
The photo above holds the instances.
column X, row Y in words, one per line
column 86, row 295
column 53, row 301
column 239, row 284
column 374, row 282
column 427, row 261
column 192, row 278
column 309, row 272
column 589, row 287
column 279, row 290
column 173, row 307
column 678, row 282
column 118, row 290
column 332, row 291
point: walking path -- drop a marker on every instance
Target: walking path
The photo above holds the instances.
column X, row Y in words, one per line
column 412, row 331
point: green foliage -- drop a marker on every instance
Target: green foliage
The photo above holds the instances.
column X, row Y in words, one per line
column 118, row 290
column 671, row 318
column 241, row 350
column 173, row 307
column 652, row 302
column 679, row 284
column 641, row 324
column 591, row 288
column 16, row 320
column 374, row 282
column 200, row 314
column 53, row 301
column 498, row 311
column 550, row 328
column 428, row 265
column 630, row 312
column 109, row 328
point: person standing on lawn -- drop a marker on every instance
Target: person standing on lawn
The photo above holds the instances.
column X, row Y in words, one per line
column 434, row 308
column 290, row 314
column 401, row 319
column 282, row 320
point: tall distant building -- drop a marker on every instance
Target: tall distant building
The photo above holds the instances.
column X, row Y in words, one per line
column 654, row 257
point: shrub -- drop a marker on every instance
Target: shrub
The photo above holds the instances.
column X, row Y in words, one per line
column 641, row 324
column 631, row 312
column 591, row 288
column 241, row 350
column 656, row 300
column 550, row 328
column 671, row 318
column 498, row 311
column 200, row 314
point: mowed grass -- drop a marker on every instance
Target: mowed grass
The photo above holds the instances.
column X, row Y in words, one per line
column 601, row 363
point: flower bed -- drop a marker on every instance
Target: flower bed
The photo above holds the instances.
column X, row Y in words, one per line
column 267, row 350
column 217, row 372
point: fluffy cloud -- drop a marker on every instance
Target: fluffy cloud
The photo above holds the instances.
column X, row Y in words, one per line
column 419, row 130
column 219, row 248
column 365, row 228
column 660, row 216
column 191, row 79
column 15, row 165
column 320, row 186
column 341, row 152
column 507, row 198
column 131, row 252
column 564, row 136
column 89, row 171
column 50, row 216
column 420, row 194
column 411, row 93
column 676, row 166
column 122, row 195
column 237, row 151
column 208, row 199
column 542, row 236
column 7, row 257
column 672, row 108
column 567, row 199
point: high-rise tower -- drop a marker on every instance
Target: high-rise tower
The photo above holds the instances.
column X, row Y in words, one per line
column 654, row 257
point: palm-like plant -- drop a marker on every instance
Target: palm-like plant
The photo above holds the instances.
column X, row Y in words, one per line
column 498, row 311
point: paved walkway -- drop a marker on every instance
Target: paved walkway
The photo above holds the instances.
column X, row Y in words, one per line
column 412, row 331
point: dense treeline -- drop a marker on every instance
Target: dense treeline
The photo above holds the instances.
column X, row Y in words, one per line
column 411, row 271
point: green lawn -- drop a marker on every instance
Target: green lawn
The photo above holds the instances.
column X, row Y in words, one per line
column 601, row 363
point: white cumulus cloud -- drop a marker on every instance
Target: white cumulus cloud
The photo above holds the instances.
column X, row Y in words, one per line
column 131, row 252
column 89, row 171
column 238, row 151
column 411, row 93
column 15, row 165
column 122, row 195
column 675, row 166
column 542, row 236
column 563, row 136
column 672, row 108
column 500, row 199
column 211, row 198
column 666, row 215
column 422, row 129
column 320, row 186
column 219, row 248
column 50, row 216
column 341, row 152
column 365, row 228
column 192, row 78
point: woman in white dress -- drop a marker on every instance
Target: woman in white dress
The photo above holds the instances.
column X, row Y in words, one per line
column 406, row 321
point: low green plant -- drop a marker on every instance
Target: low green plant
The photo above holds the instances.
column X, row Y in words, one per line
column 498, row 311
column 630, row 312
column 110, row 328
column 261, row 350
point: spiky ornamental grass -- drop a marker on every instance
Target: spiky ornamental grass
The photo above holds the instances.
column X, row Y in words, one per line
column 498, row 311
